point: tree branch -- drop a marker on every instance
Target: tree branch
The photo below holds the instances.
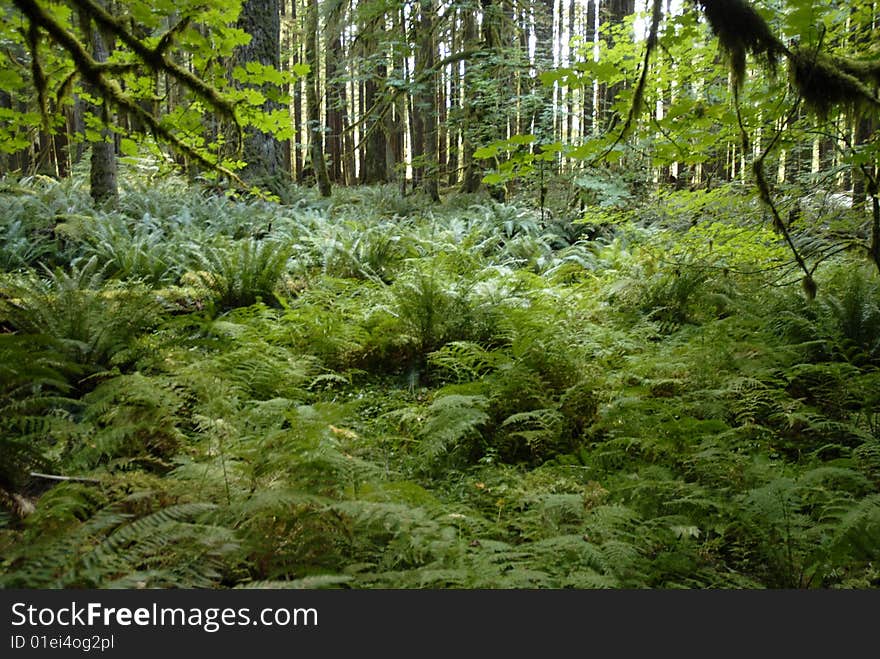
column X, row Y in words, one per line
column 95, row 73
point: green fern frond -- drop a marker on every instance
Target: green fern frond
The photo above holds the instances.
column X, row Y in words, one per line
column 242, row 273
column 95, row 324
column 858, row 532
column 451, row 420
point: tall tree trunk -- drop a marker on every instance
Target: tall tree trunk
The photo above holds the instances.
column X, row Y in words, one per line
column 263, row 153
column 569, row 101
column 102, row 175
column 426, row 102
column 297, row 146
column 523, row 85
column 285, row 45
column 543, row 108
column 395, row 120
column 490, row 107
column 613, row 12
column 349, row 169
column 442, row 126
column 453, row 130
column 471, row 172
column 316, row 147
column 375, row 165
column 588, row 126
column 335, row 100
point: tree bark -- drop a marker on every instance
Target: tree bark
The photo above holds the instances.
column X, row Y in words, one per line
column 335, row 99
column 102, row 176
column 316, row 147
column 375, row 165
column 471, row 173
column 612, row 11
column 263, row 153
column 296, row 147
column 426, row 104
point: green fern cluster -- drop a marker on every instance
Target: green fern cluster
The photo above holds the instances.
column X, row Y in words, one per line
column 376, row 392
column 95, row 322
column 242, row 273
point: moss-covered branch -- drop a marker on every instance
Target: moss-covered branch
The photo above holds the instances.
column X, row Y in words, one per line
column 96, row 74
column 156, row 58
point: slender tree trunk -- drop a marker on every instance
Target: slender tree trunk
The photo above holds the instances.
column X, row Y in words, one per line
column 349, row 169
column 524, row 83
column 416, row 141
column 335, row 101
column 442, row 126
column 614, row 12
column 396, row 118
column 427, row 101
column 569, row 101
column 471, row 173
column 8, row 161
column 316, row 148
column 297, row 146
column 454, row 130
column 285, row 45
column 587, row 124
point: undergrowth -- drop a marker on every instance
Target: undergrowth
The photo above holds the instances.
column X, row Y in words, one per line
column 375, row 392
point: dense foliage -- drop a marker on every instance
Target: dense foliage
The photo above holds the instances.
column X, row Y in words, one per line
column 378, row 391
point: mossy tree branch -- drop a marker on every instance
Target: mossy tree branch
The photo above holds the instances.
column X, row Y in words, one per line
column 98, row 75
column 156, row 58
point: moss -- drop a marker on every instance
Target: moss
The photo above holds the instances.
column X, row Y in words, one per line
column 741, row 30
column 867, row 72
column 824, row 85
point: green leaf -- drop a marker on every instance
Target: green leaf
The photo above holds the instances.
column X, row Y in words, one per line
column 128, row 146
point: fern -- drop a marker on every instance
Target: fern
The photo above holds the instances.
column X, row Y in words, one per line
column 95, row 323
column 314, row 582
column 20, row 246
column 33, row 404
column 115, row 549
column 858, row 532
column 130, row 419
column 242, row 273
column 451, row 422
column 843, row 324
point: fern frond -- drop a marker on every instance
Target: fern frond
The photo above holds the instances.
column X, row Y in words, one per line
column 450, row 420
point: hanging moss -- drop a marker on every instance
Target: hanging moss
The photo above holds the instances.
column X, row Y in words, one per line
column 810, row 286
column 824, row 84
column 741, row 30
column 867, row 72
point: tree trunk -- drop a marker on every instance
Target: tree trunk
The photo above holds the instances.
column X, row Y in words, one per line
column 569, row 101
column 263, row 153
column 471, row 173
column 316, row 148
column 375, row 165
column 454, row 130
column 395, row 120
column 285, row 45
column 297, row 146
column 588, row 122
column 614, row 12
column 102, row 176
column 426, row 103
column 335, row 100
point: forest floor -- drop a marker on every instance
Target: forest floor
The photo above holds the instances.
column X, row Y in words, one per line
column 373, row 391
